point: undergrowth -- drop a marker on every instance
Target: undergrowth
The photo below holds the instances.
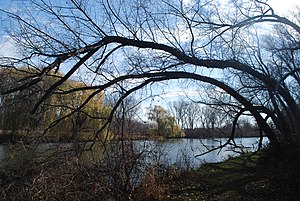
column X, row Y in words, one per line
column 270, row 174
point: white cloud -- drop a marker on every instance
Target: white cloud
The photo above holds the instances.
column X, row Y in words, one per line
column 7, row 49
column 283, row 7
column 186, row 2
column 181, row 93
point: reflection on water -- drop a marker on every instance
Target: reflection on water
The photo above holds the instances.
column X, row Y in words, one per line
column 168, row 152
column 177, row 150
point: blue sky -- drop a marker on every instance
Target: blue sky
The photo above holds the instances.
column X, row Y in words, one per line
column 4, row 3
column 279, row 6
column 7, row 49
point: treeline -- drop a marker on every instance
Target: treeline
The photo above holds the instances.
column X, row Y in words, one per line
column 197, row 121
column 60, row 114
column 160, row 124
column 66, row 116
column 208, row 120
column 224, row 132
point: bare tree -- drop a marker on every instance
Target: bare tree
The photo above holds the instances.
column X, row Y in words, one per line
column 187, row 113
column 211, row 117
column 141, row 43
column 180, row 108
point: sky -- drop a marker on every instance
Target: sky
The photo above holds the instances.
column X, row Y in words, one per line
column 4, row 3
column 283, row 6
column 277, row 4
column 280, row 6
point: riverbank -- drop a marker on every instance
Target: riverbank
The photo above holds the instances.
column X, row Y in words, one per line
column 264, row 175
column 26, row 136
column 254, row 176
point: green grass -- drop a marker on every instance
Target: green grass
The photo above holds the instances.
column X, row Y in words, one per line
column 253, row 176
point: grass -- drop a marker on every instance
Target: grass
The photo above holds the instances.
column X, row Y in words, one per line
column 253, row 176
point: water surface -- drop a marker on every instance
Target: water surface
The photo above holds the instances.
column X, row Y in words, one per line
column 179, row 152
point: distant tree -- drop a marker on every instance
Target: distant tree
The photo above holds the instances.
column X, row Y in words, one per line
column 84, row 122
column 187, row 113
column 15, row 108
column 179, row 109
column 212, row 118
column 125, row 117
column 165, row 123
column 245, row 126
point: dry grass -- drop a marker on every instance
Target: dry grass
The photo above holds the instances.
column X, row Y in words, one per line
column 150, row 188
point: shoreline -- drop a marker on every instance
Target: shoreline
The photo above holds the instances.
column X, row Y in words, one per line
column 19, row 138
column 259, row 175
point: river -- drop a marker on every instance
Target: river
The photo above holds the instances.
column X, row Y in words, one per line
column 179, row 152
column 183, row 151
